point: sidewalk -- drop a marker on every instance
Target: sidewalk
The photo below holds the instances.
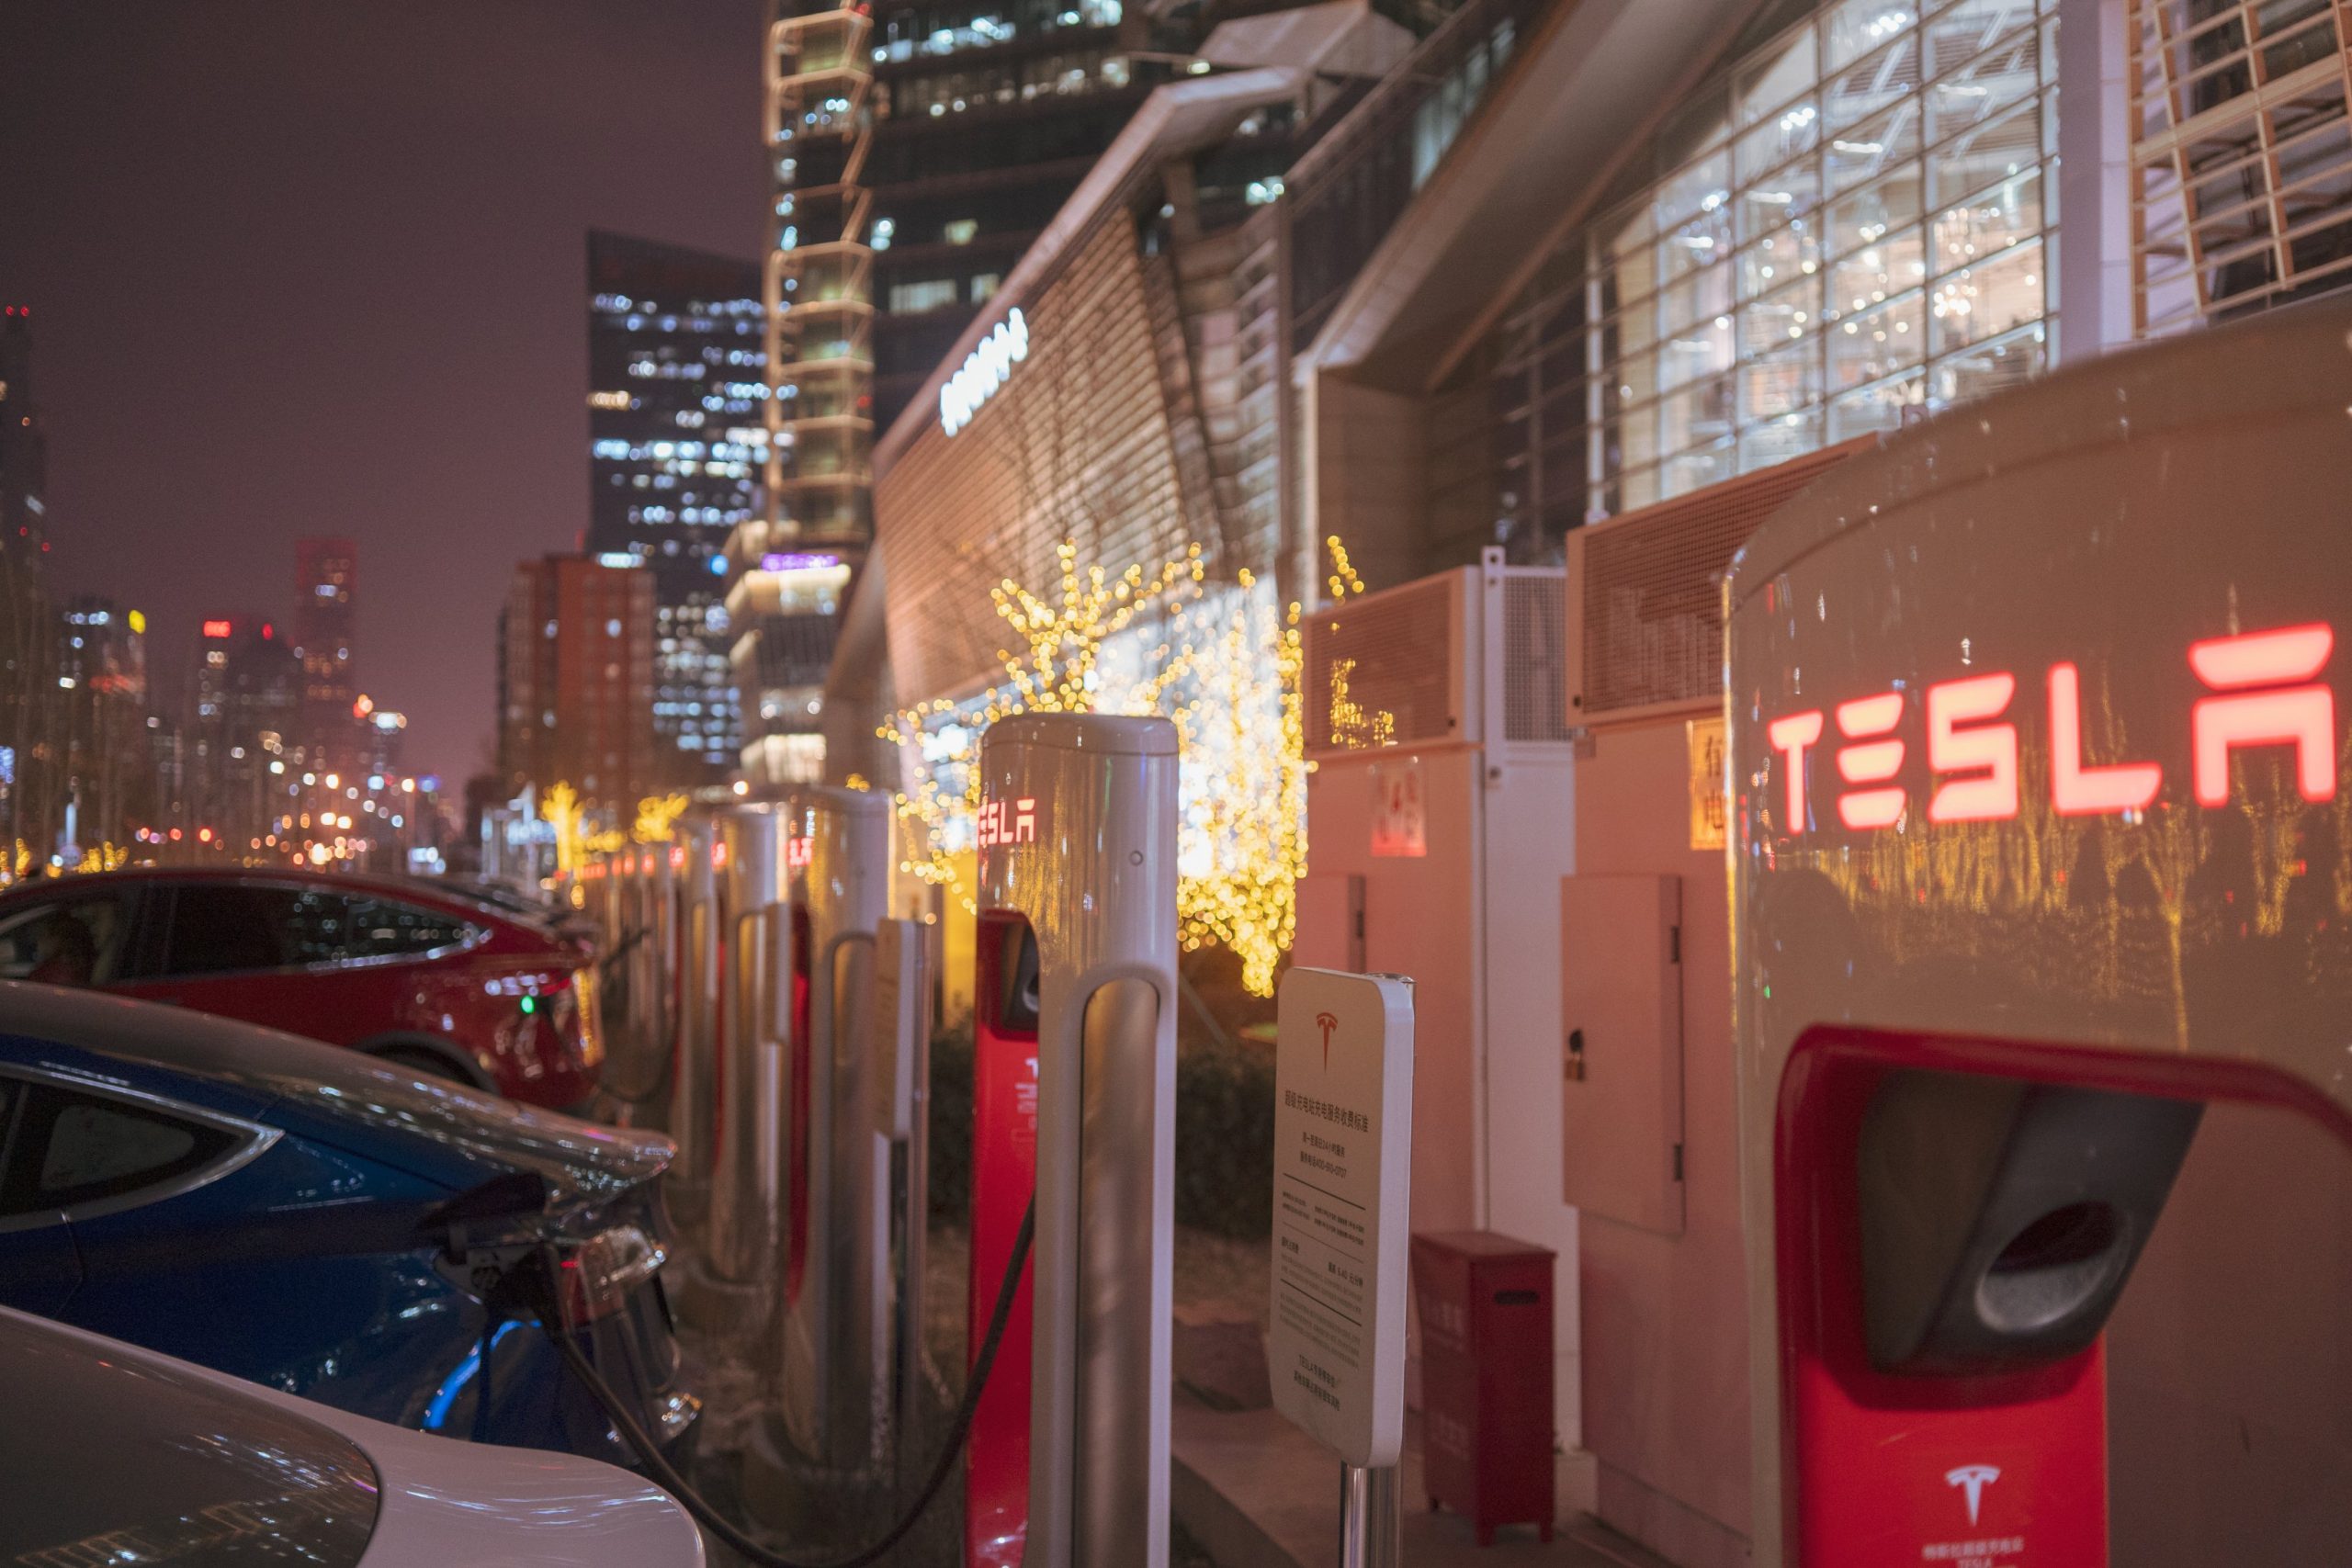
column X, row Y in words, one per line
column 1257, row 1492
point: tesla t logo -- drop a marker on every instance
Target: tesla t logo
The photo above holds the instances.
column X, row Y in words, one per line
column 2261, row 692
column 1326, row 1023
column 1008, row 822
column 1973, row 1479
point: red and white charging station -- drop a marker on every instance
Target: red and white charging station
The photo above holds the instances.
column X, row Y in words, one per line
column 1074, row 1096
column 2042, row 966
column 832, row 1367
column 694, row 1068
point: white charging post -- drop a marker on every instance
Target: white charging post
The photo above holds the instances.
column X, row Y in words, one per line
column 1343, row 1140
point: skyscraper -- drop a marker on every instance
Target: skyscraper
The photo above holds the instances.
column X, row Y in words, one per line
column 251, row 687
column 326, row 579
column 23, row 451
column 677, row 376
column 32, row 794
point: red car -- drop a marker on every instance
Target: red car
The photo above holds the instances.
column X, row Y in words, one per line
column 439, row 982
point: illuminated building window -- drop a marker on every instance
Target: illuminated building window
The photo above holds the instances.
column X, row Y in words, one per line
column 1849, row 224
column 984, row 286
column 906, row 299
column 961, row 231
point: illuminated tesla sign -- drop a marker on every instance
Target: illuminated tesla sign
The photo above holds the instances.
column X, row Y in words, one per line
column 2261, row 692
column 1007, row 822
column 983, row 371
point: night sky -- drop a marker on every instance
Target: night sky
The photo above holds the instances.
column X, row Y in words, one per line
column 317, row 266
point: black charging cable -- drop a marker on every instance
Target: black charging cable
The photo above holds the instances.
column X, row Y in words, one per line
column 541, row 1291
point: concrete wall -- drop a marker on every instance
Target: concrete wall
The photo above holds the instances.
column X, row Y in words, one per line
column 1665, row 1322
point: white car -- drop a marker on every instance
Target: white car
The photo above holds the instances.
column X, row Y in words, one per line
column 113, row 1454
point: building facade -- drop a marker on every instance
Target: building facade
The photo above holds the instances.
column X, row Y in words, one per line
column 250, row 694
column 326, row 586
column 1573, row 276
column 577, row 679
column 920, row 155
column 1680, row 263
column 1140, row 406
column 678, row 453
column 33, row 797
column 102, row 677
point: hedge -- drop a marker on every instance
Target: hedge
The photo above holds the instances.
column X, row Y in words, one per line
column 1225, row 1133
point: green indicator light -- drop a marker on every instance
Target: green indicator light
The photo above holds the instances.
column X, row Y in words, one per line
column 530, row 1004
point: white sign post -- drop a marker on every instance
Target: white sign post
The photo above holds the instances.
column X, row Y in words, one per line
column 1343, row 1135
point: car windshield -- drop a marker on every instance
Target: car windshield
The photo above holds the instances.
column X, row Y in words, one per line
column 137, row 1458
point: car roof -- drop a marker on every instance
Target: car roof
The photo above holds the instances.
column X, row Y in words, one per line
column 130, row 1442
column 431, row 1501
column 434, row 1128
column 412, row 889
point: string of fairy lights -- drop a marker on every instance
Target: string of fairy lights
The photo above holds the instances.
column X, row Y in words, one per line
column 1228, row 673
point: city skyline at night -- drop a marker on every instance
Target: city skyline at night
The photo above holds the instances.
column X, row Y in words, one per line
column 371, row 324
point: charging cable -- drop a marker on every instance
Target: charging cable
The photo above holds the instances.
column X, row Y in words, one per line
column 540, row 1291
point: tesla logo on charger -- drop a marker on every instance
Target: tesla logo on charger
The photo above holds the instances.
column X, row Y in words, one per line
column 1008, row 822
column 2262, row 694
column 1326, row 1023
column 1972, row 1479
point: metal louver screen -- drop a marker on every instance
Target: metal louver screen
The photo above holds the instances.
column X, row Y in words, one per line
column 1379, row 670
column 1651, row 593
column 2240, row 157
column 1535, row 656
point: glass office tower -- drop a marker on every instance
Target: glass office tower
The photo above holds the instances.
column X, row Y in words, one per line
column 677, row 365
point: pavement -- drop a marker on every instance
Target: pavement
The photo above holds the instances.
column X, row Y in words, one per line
column 1249, row 1489
column 1255, row 1492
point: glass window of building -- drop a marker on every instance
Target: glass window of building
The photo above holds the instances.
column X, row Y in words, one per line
column 1855, row 219
column 929, row 294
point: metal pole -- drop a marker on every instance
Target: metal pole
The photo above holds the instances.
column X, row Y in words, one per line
column 1367, row 1517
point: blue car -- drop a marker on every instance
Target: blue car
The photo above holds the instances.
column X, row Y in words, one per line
column 306, row 1218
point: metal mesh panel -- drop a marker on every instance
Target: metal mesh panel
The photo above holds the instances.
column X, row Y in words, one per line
column 1536, row 655
column 1379, row 670
column 1652, row 595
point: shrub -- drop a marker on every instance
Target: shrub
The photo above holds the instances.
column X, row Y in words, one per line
column 1224, row 1135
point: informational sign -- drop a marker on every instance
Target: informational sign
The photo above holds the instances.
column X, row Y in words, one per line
column 1400, row 809
column 1705, row 738
column 1343, row 1135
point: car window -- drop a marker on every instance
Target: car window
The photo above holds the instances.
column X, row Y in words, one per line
column 71, row 1149
column 71, row 941
column 331, row 926
column 94, row 1144
column 221, row 928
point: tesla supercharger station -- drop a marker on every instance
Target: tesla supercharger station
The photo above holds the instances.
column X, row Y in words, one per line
column 639, row 999
column 2041, row 972
column 747, row 1173
column 900, row 1142
column 834, row 1367
column 695, row 983
column 1073, row 1088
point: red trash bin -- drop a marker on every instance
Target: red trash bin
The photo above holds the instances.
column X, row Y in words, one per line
column 1485, row 1306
